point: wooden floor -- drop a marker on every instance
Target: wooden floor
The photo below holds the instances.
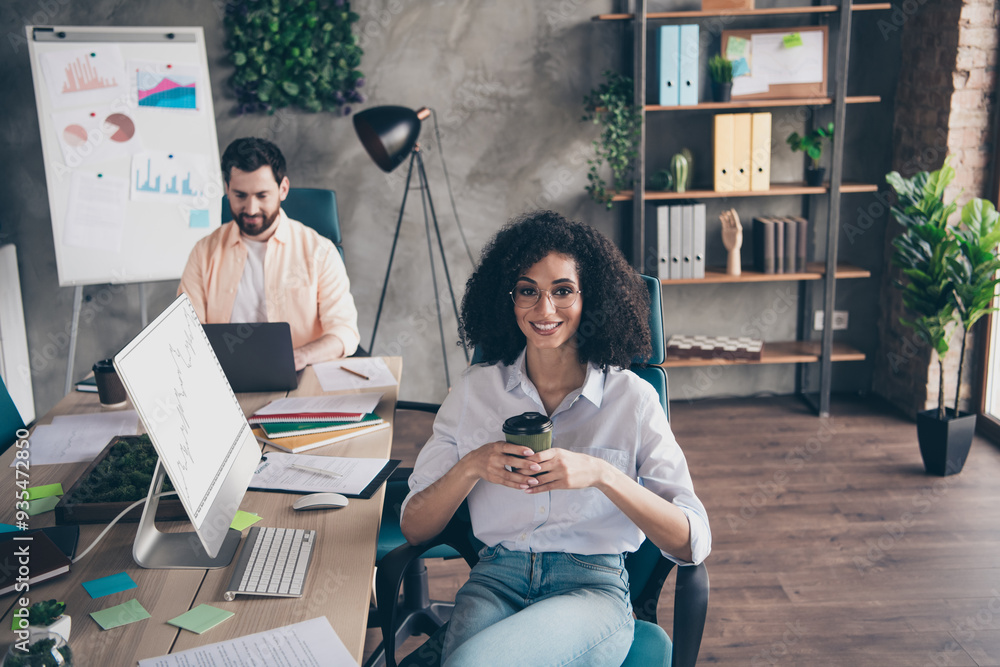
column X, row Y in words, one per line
column 831, row 545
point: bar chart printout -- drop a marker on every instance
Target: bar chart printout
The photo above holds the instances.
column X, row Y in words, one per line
column 79, row 77
column 169, row 177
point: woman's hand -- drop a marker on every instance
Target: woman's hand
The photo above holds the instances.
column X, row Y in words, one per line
column 488, row 463
column 564, row 469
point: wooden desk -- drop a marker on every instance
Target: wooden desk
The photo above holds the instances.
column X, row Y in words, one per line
column 338, row 586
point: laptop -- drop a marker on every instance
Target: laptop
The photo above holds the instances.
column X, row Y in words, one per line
column 255, row 356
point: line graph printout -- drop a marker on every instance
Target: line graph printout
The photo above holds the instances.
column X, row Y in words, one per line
column 169, row 177
column 182, row 396
column 85, row 76
column 161, row 85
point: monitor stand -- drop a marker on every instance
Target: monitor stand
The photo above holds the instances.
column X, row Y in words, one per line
column 156, row 550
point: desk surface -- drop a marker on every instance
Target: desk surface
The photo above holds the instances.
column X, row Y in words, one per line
column 338, row 586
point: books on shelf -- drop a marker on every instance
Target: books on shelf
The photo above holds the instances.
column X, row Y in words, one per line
column 288, row 429
column 680, row 241
column 780, row 244
column 303, row 443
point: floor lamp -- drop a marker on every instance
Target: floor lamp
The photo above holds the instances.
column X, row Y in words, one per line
column 389, row 134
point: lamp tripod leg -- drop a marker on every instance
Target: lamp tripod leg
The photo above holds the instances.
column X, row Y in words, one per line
column 424, row 196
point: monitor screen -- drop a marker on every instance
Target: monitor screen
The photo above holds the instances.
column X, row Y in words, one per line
column 193, row 419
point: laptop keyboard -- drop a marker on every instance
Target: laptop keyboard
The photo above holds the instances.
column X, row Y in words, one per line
column 273, row 562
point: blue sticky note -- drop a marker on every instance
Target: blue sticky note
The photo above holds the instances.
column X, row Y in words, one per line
column 7, row 528
column 199, row 218
column 115, row 583
column 740, row 67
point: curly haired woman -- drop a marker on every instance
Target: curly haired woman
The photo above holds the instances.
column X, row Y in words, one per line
column 558, row 314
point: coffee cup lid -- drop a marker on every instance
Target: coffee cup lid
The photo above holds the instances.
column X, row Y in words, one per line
column 104, row 365
column 528, row 423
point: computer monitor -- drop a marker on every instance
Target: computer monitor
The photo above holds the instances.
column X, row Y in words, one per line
column 199, row 432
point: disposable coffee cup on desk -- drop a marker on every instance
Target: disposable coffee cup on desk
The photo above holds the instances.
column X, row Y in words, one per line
column 110, row 389
column 530, row 429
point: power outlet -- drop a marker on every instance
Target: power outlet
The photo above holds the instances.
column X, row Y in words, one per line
column 839, row 320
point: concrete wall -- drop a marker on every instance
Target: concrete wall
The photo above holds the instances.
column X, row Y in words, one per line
column 507, row 80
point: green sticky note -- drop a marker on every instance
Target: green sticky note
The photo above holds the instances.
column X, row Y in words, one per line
column 36, row 492
column 736, row 48
column 202, row 618
column 244, row 520
column 123, row 614
column 795, row 39
column 42, row 505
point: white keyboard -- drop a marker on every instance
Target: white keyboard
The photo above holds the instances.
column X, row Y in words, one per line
column 273, row 561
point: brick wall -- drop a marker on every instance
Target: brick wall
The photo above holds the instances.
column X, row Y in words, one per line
column 943, row 107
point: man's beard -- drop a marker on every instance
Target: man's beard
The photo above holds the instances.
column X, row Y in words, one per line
column 254, row 231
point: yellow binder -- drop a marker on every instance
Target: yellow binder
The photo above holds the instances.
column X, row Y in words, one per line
column 760, row 151
column 723, row 142
column 741, row 152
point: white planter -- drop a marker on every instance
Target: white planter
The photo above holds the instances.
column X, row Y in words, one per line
column 60, row 626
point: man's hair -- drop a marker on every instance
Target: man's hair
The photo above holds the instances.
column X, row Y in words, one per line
column 250, row 154
column 614, row 326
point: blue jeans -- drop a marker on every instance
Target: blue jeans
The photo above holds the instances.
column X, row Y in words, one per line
column 541, row 609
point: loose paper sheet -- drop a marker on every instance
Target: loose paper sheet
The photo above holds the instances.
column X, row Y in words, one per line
column 85, row 76
column 778, row 64
column 170, row 177
column 165, row 85
column 310, row 643
column 96, row 214
column 78, row 438
column 350, row 403
column 277, row 473
column 95, row 134
column 333, row 377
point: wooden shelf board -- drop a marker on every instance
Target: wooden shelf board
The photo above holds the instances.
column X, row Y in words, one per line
column 770, row 11
column 790, row 352
column 814, row 271
column 777, row 190
column 761, row 104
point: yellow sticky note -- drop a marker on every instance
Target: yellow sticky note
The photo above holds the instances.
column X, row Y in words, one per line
column 244, row 520
column 36, row 492
column 794, row 39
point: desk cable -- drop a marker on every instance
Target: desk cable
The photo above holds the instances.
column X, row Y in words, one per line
column 117, row 518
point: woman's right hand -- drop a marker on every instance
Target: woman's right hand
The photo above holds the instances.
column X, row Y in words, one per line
column 488, row 462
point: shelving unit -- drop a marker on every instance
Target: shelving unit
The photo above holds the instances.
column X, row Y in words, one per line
column 824, row 351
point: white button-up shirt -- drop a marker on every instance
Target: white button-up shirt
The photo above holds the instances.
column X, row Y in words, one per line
column 615, row 416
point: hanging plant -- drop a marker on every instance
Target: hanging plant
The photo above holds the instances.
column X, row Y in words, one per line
column 294, row 53
column 610, row 105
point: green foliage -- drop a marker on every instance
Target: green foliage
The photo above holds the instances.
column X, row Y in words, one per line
column 123, row 475
column 720, row 68
column 44, row 613
column 610, row 105
column 294, row 53
column 43, row 648
column 812, row 143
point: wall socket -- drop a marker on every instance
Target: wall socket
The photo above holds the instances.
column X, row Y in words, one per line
column 839, row 320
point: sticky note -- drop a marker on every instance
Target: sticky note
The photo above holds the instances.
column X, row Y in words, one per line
column 202, row 618
column 198, row 218
column 736, row 47
column 244, row 520
column 122, row 614
column 110, row 585
column 42, row 505
column 740, row 67
column 45, row 491
column 794, row 39
column 7, row 528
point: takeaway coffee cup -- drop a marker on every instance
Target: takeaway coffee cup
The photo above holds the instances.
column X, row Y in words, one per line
column 110, row 389
column 531, row 429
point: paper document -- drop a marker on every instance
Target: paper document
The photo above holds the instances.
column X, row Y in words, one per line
column 350, row 476
column 778, row 64
column 347, row 374
column 95, row 215
column 310, row 643
column 350, row 403
column 78, row 438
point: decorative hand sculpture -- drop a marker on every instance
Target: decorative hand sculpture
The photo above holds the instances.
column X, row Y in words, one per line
column 732, row 238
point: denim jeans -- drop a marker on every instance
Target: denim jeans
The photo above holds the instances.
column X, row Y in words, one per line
column 541, row 609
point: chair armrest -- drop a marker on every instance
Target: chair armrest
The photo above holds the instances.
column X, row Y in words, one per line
column 690, row 609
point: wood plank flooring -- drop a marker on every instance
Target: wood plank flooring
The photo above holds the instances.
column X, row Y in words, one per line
column 831, row 544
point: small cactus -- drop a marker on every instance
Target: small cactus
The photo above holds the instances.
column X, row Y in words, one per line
column 681, row 168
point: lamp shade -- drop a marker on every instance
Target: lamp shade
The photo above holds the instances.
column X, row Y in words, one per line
column 389, row 133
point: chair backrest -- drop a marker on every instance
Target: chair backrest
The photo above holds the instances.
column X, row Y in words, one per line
column 312, row 207
column 10, row 419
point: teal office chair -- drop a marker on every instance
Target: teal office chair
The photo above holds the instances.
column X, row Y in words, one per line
column 312, row 207
column 648, row 569
column 10, row 419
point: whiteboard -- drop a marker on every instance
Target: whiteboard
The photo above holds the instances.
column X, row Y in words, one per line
column 106, row 129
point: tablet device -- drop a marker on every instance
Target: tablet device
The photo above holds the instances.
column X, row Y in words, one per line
column 255, row 356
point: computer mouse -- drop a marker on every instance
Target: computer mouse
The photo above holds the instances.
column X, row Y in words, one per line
column 320, row 501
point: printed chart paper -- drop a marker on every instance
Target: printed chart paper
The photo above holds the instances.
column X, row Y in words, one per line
column 86, row 76
column 169, row 177
column 95, row 216
column 92, row 135
column 164, row 85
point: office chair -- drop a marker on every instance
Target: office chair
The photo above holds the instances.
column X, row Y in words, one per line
column 648, row 569
column 312, row 207
column 10, row 419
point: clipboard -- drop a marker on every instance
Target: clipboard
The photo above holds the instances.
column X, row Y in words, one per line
column 786, row 90
column 284, row 460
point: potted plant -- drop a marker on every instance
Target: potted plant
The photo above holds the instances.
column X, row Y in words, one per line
column 48, row 637
column 611, row 106
column 812, row 145
column 48, row 616
column 721, row 70
column 950, row 284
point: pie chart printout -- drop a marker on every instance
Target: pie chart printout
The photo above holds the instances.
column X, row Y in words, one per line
column 124, row 127
column 75, row 135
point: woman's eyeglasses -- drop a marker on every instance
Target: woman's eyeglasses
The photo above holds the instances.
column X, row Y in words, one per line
column 526, row 296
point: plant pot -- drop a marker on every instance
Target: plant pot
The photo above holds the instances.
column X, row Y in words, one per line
column 944, row 444
column 722, row 92
column 814, row 176
column 61, row 626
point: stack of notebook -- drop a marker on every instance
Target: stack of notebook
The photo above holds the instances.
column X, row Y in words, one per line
column 301, row 424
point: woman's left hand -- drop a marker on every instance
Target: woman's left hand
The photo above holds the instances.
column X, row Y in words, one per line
column 565, row 469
